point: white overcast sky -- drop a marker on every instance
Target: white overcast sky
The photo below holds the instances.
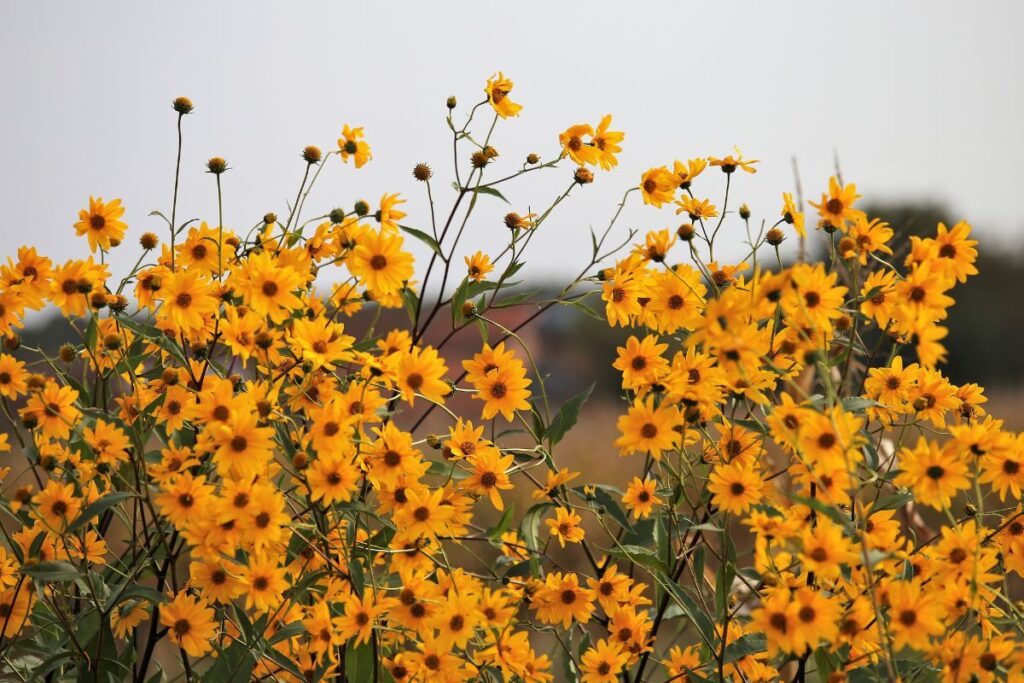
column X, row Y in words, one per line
column 919, row 99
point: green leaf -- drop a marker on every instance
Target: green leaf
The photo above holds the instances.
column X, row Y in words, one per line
column 897, row 500
column 567, row 416
column 490, row 191
column 359, row 662
column 749, row 644
column 98, row 508
column 423, row 237
column 528, row 530
column 690, row 608
column 603, row 495
column 234, row 665
column 858, row 404
column 495, row 532
column 90, row 334
column 51, row 571
column 143, row 593
column 645, row 557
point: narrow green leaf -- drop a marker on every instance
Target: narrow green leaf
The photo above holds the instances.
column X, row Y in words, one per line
column 51, row 571
column 423, row 237
column 567, row 416
column 98, row 508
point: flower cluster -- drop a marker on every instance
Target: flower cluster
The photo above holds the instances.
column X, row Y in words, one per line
column 247, row 453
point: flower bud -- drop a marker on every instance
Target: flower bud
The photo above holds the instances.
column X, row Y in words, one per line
column 270, row 218
column 149, row 241
column 744, row 211
column 216, row 165
column 182, row 105
column 362, row 208
column 686, row 232
column 774, row 237
column 468, row 309
column 532, row 158
column 12, row 342
column 451, row 102
column 583, row 176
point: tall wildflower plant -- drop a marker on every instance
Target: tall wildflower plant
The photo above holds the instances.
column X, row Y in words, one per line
column 239, row 471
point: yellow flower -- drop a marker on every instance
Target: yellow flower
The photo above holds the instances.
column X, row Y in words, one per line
column 189, row 303
column 379, row 262
column 358, row 619
column 190, row 624
column 640, row 497
column 648, row 428
column 935, row 474
column 606, row 143
column 497, row 89
column 791, row 215
column 735, row 486
column 387, row 215
column 565, row 526
column 574, row 147
column 101, row 223
column 603, row 662
column 836, row 206
column 478, row 266
column 730, row 163
column 420, row 371
column 658, row 186
column 57, row 505
column 351, row 144
column 561, row 599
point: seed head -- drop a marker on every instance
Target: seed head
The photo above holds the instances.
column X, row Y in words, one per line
column 468, row 309
column 67, row 353
column 532, row 158
column 774, row 237
column 149, row 241
column 336, row 215
column 362, row 208
column 312, row 154
column 422, row 172
column 479, row 159
column 686, row 232
column 117, row 303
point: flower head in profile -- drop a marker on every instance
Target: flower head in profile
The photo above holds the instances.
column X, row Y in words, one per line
column 352, row 146
column 729, row 163
column 497, row 89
